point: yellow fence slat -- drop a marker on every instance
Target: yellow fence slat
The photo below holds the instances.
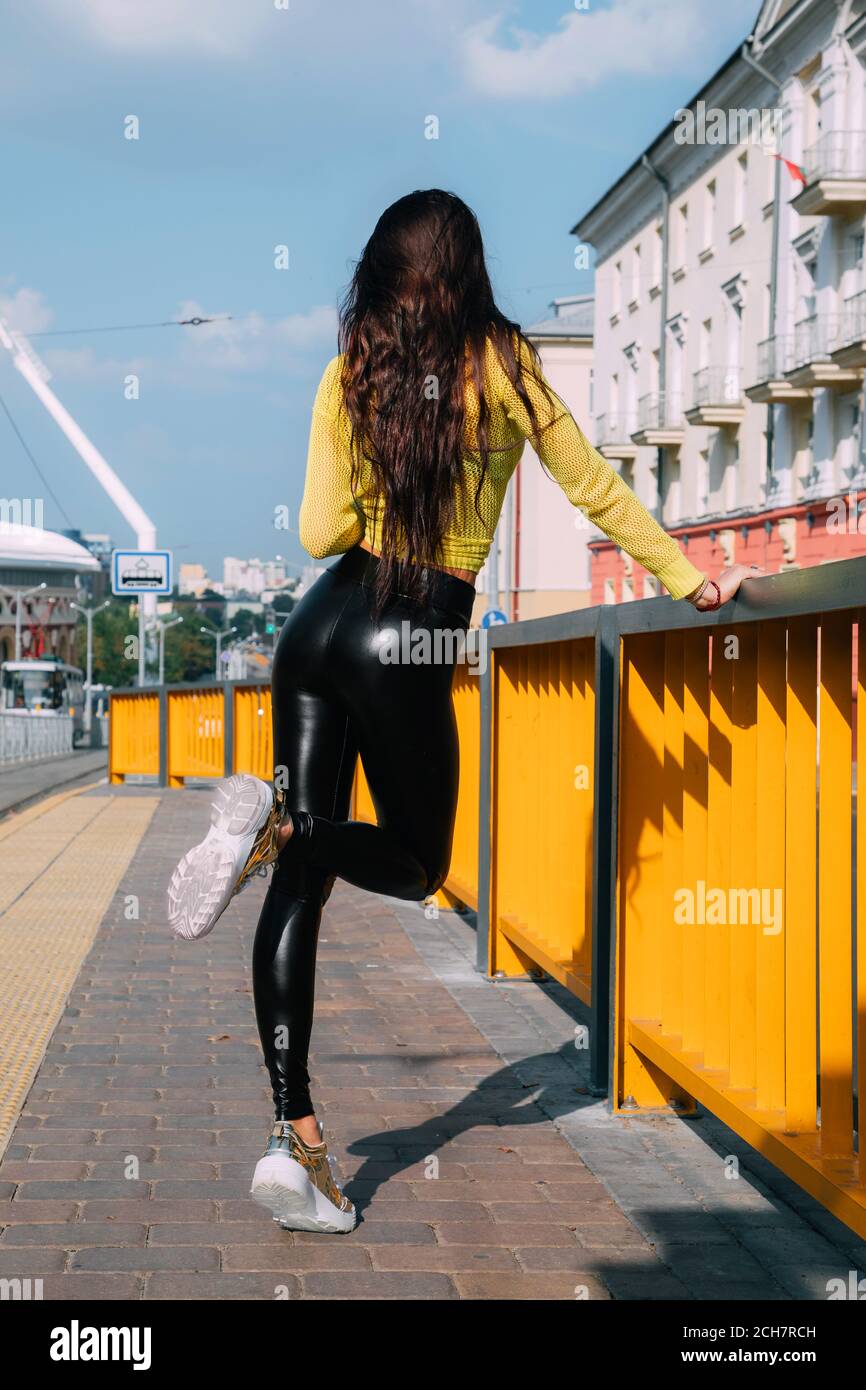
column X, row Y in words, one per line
column 748, row 925
column 801, row 1102
column 672, row 931
column 640, row 964
column 860, row 924
column 196, row 734
column 133, row 736
column 834, row 879
column 717, row 1046
column 696, row 714
column 253, row 734
column 770, row 716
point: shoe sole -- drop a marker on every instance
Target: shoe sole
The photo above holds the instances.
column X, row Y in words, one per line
column 281, row 1185
column 204, row 881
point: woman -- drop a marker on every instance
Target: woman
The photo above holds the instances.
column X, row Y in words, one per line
column 417, row 427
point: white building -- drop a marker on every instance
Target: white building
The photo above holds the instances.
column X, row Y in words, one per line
column 193, row 580
column 730, row 332
column 539, row 563
column 253, row 576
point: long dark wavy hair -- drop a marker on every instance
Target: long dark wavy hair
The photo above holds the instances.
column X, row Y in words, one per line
column 420, row 308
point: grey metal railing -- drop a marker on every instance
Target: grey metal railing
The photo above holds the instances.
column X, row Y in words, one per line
column 717, row 386
column 838, row 154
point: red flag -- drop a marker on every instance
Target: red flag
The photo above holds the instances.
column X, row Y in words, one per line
column 793, row 169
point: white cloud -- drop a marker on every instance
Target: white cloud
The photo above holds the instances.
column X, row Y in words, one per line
column 253, row 342
column 25, row 309
column 634, row 37
column 219, row 27
column 245, row 344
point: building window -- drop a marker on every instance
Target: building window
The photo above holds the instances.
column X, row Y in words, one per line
column 703, row 498
column 672, row 509
column 657, row 256
column 732, row 474
column 682, row 236
column 709, row 213
column 610, row 591
column 704, row 344
column 741, row 174
column 617, row 288
column 635, row 274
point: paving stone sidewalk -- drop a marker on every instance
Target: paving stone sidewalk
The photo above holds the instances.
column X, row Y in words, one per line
column 458, row 1109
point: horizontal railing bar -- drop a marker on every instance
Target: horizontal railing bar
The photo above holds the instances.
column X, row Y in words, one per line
column 173, row 686
column 797, row 594
column 558, row 627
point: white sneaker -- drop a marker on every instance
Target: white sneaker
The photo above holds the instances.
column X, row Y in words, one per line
column 295, row 1182
column 241, row 841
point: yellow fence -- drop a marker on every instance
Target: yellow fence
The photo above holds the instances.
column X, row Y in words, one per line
column 196, row 734
column 133, row 736
column 253, row 734
column 181, row 732
column 735, row 984
column 542, row 811
column 658, row 810
column 461, row 886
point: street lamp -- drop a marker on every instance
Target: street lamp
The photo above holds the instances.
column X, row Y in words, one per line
column 218, row 636
column 162, row 628
column 18, row 595
column 89, row 614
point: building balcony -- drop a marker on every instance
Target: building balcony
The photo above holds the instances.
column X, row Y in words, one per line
column 772, row 386
column 851, row 349
column 811, row 363
column 660, row 420
column 835, row 170
column 613, row 436
column 717, row 397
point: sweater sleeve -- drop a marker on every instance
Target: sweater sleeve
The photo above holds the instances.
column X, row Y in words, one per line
column 331, row 520
column 589, row 482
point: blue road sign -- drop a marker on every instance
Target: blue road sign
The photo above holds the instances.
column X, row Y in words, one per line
column 140, row 572
column 492, row 617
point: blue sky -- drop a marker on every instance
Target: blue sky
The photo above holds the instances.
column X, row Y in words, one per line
column 261, row 126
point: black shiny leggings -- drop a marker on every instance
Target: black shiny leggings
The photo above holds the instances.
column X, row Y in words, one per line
column 335, row 698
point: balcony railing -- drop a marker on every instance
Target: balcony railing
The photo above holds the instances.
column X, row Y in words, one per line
column 815, row 338
column 717, row 386
column 614, row 428
column 660, row 411
column 840, row 154
column 854, row 318
column 775, row 356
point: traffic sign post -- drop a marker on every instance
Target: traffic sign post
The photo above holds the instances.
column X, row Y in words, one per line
column 135, row 573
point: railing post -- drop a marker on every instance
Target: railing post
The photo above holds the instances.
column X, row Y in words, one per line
column 604, row 850
column 485, row 755
column 228, row 729
column 163, row 736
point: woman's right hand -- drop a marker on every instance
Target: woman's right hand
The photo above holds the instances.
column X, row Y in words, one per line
column 729, row 582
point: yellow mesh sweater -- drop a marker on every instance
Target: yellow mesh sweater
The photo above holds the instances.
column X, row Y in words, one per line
column 333, row 520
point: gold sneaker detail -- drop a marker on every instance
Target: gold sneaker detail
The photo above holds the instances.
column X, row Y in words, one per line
column 264, row 851
column 314, row 1159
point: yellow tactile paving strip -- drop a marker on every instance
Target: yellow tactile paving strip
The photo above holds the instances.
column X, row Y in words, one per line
column 59, row 869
